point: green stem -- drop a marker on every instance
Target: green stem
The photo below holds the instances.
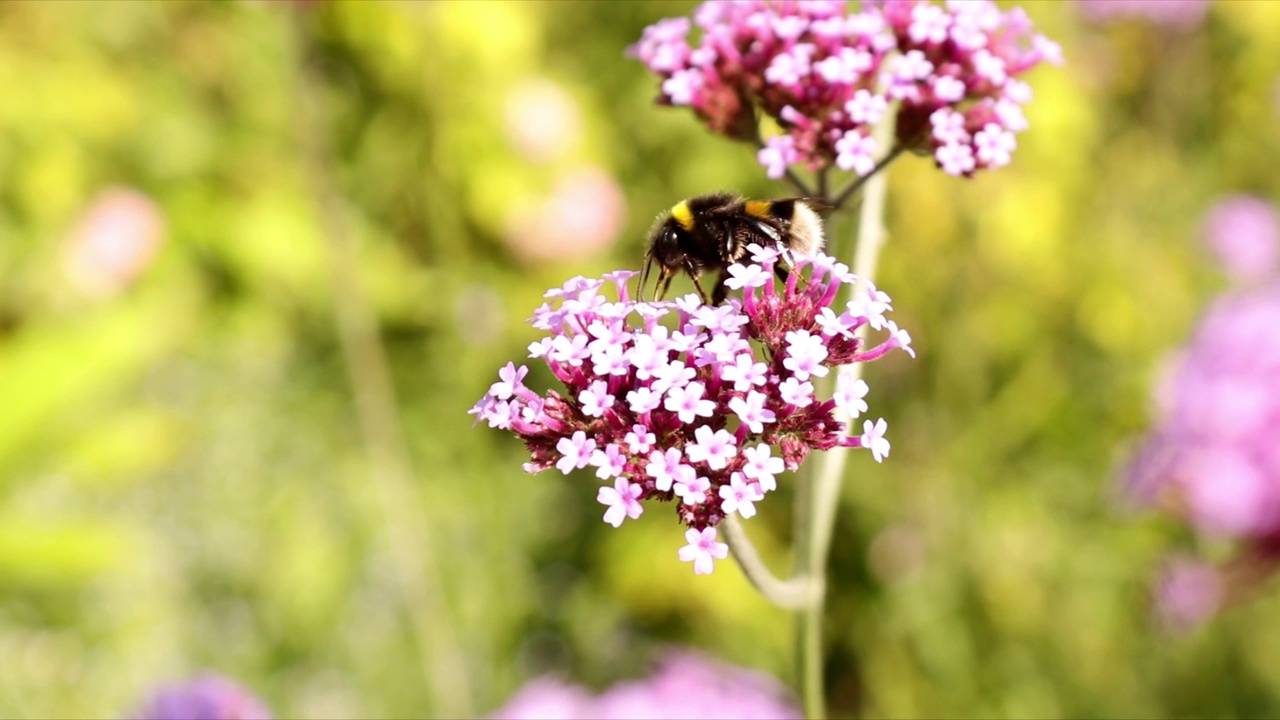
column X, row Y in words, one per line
column 822, row 497
column 791, row 594
column 408, row 542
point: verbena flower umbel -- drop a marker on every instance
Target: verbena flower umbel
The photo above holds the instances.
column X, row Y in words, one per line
column 704, row 412
column 827, row 75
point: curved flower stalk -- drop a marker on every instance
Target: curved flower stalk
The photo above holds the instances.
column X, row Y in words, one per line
column 827, row 76
column 704, row 413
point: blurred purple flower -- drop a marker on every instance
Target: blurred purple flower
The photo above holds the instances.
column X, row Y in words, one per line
column 115, row 240
column 1171, row 13
column 208, row 697
column 1188, row 593
column 685, row 686
column 826, row 75
column 1243, row 232
column 696, row 413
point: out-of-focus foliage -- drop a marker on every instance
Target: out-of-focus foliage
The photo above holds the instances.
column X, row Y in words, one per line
column 184, row 484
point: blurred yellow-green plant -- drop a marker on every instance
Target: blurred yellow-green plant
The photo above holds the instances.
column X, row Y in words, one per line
column 202, row 468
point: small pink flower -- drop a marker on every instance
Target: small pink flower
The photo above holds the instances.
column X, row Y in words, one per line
column 576, row 451
column 703, row 550
column 664, row 467
column 777, row 154
column 805, row 353
column 796, row 392
column 690, row 486
column 850, row 392
column 688, row 403
column 609, row 462
column 762, row 468
column 745, row 372
column 623, row 500
column 715, row 448
column 740, row 496
column 751, row 411
column 639, row 440
column 874, row 440
column 596, row 399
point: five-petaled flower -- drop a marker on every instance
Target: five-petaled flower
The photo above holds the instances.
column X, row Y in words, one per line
column 701, row 406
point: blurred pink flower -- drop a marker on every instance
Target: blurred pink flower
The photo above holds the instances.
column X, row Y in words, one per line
column 542, row 119
column 208, row 697
column 1213, row 449
column 1188, row 593
column 115, row 240
column 1212, row 458
column 1184, row 14
column 1244, row 234
column 581, row 217
column 685, row 685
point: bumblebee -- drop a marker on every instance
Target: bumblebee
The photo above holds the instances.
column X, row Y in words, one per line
column 711, row 232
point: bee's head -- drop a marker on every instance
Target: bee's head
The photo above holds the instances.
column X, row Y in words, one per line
column 666, row 250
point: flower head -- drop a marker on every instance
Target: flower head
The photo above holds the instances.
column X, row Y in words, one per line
column 701, row 406
column 1211, row 457
column 684, row 685
column 827, row 74
column 208, row 697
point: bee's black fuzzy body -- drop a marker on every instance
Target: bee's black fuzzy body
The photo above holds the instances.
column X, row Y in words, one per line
column 711, row 232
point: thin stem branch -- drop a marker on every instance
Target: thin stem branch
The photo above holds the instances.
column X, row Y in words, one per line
column 824, row 494
column 408, row 540
column 857, row 183
column 792, row 594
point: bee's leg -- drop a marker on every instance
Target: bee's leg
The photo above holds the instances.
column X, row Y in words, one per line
column 720, row 291
column 698, row 285
column 782, row 272
column 664, row 283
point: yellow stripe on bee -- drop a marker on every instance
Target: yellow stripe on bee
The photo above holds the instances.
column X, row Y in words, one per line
column 683, row 215
column 759, row 208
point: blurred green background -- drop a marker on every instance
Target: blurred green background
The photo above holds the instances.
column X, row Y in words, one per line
column 186, row 481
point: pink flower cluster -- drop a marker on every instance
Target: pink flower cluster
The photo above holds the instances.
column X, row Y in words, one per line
column 685, row 686
column 827, row 76
column 1215, row 444
column 1213, row 455
column 696, row 413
